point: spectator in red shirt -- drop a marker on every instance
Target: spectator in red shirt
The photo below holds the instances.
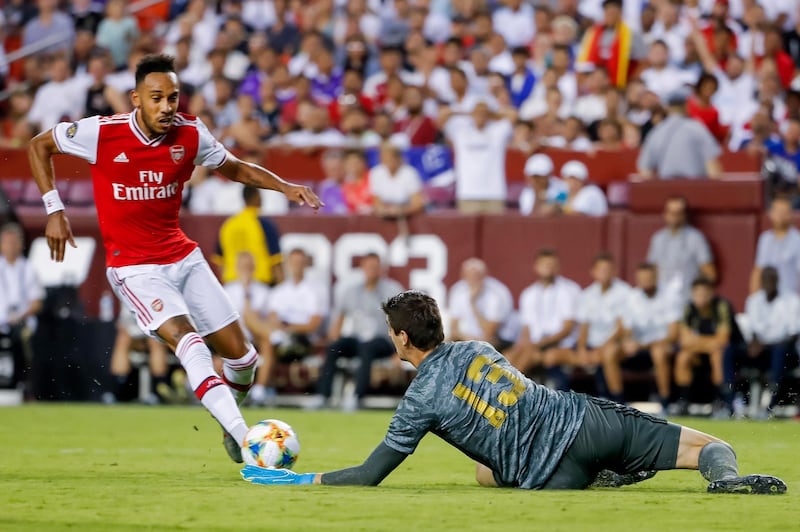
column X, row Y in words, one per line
column 419, row 127
column 721, row 24
column 356, row 186
column 700, row 108
column 351, row 96
column 773, row 48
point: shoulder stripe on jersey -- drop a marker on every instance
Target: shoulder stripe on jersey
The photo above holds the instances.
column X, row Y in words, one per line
column 111, row 122
column 116, row 117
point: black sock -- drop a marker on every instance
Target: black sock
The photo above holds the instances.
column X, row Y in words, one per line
column 664, row 402
column 617, row 397
column 682, row 393
column 717, row 461
column 120, row 383
column 725, row 393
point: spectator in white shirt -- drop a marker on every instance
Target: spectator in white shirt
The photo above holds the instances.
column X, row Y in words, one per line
column 61, row 98
column 316, row 132
column 599, row 317
column 650, row 322
column 544, row 194
column 396, row 187
column 547, row 312
column 591, row 106
column 669, row 29
column 296, row 310
column 514, row 21
column 21, row 297
column 662, row 78
column 774, row 320
column 779, row 247
column 481, row 307
column 479, row 142
column 584, row 197
column 248, row 295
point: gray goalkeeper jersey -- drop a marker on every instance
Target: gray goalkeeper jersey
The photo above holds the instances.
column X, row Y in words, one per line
column 470, row 396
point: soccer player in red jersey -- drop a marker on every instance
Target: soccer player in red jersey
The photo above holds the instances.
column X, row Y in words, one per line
column 139, row 163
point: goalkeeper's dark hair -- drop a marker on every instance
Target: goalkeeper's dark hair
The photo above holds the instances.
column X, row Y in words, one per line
column 154, row 63
column 417, row 314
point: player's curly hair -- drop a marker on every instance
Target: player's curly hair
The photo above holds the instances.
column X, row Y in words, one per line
column 153, row 63
column 417, row 314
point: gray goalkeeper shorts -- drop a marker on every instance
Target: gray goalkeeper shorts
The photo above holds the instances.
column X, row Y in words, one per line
column 619, row 438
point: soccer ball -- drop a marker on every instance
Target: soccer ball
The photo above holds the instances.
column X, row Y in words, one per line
column 271, row 443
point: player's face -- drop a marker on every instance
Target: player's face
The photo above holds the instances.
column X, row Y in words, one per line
column 156, row 97
column 701, row 296
column 780, row 214
column 675, row 214
column 769, row 280
column 645, row 279
column 245, row 267
column 297, row 264
column 546, row 268
column 603, row 272
column 10, row 245
column 397, row 340
column 371, row 268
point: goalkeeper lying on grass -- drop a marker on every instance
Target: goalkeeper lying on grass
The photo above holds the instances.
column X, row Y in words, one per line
column 521, row 434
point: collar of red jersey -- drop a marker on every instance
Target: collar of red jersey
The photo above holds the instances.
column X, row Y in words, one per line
column 137, row 131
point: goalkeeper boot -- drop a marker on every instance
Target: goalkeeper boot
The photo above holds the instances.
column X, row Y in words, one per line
column 749, row 484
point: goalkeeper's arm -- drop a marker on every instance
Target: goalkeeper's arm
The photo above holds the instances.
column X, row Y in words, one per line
column 380, row 463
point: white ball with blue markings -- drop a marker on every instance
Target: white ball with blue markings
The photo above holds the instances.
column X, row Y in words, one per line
column 271, row 443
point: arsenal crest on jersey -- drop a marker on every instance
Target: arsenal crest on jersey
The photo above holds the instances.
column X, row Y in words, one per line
column 177, row 153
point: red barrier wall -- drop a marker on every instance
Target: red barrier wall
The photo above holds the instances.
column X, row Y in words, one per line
column 509, row 245
column 728, row 196
column 431, row 256
column 304, row 165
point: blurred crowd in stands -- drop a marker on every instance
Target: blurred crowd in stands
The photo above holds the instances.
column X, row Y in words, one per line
column 481, row 76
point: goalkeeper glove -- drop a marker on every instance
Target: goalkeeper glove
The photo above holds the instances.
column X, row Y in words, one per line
column 273, row 477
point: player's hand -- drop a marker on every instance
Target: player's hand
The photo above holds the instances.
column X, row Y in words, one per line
column 274, row 477
column 303, row 195
column 58, row 232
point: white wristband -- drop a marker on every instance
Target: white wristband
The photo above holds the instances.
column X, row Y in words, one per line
column 52, row 202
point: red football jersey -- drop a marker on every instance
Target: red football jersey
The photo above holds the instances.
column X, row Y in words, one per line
column 138, row 182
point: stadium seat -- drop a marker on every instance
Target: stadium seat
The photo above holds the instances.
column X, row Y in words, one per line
column 440, row 197
column 515, row 189
column 618, row 194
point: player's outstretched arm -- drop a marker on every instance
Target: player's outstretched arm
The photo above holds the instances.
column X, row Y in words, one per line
column 252, row 174
column 380, row 463
column 58, row 231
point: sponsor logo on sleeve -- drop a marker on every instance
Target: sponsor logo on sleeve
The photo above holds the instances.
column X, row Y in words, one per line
column 72, row 130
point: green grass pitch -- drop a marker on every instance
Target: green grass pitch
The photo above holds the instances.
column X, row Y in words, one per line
column 82, row 467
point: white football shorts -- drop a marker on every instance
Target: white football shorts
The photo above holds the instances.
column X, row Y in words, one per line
column 154, row 293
